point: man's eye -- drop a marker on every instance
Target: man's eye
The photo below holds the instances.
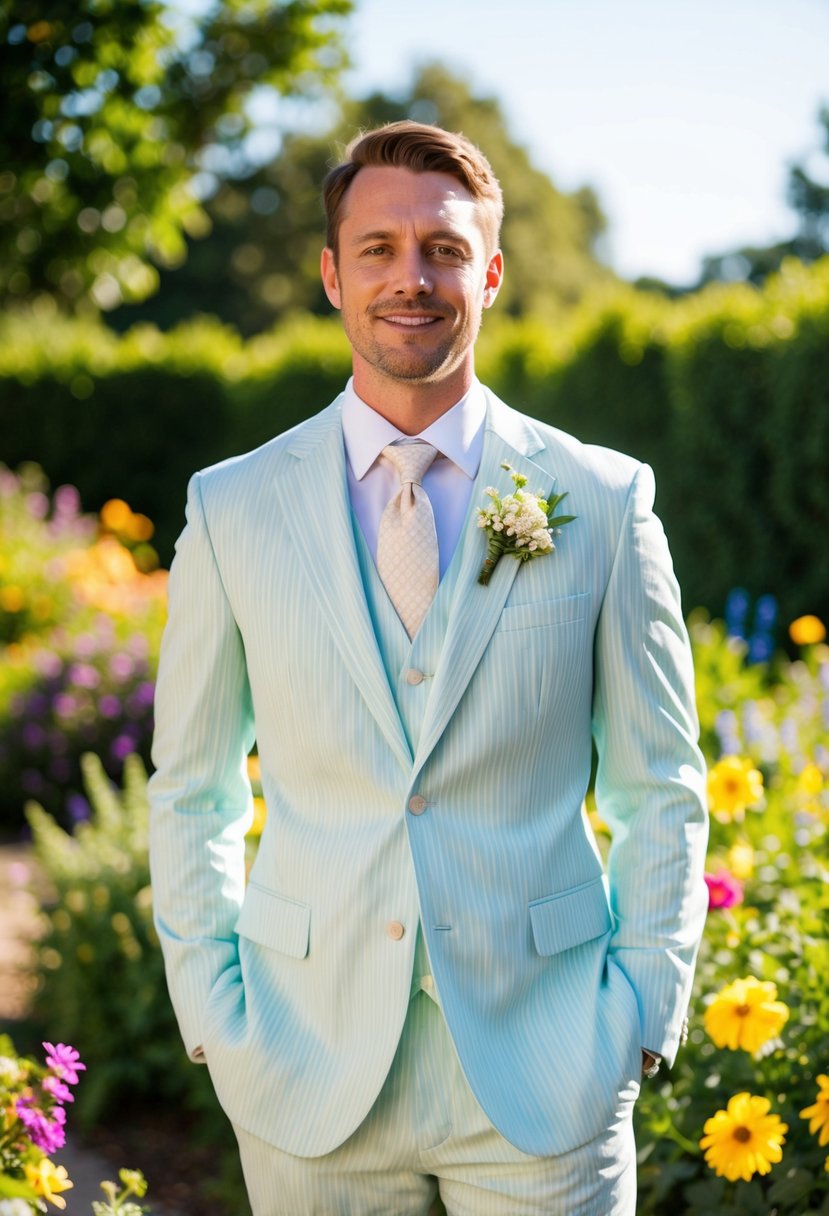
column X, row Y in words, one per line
column 446, row 251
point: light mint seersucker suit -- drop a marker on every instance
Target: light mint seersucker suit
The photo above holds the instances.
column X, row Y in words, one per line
column 551, row 974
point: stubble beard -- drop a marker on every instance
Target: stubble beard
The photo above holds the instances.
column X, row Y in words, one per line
column 410, row 363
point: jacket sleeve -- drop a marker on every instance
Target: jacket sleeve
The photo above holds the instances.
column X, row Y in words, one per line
column 200, row 796
column 650, row 782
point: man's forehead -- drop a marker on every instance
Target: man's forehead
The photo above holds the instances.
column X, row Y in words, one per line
column 379, row 187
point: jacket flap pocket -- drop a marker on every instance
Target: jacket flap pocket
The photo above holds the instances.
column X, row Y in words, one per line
column 273, row 921
column 575, row 916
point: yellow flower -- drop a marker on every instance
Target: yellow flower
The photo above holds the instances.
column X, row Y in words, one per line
column 807, row 630
column 810, row 780
column 12, row 598
column 744, row 1139
column 733, row 785
column 746, row 1014
column 48, row 1180
column 818, row 1113
column 740, row 859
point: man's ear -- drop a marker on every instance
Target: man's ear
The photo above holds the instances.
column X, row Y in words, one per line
column 330, row 280
column 494, row 278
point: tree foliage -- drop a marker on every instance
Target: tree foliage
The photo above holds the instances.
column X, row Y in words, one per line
column 262, row 257
column 110, row 106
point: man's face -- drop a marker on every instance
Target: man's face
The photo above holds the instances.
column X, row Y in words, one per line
column 412, row 274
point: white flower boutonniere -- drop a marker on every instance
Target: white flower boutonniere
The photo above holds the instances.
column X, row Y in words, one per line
column 519, row 524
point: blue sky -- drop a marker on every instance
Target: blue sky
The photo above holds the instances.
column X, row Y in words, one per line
column 683, row 114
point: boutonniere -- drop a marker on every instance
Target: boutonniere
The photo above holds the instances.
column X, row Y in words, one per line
column 519, row 524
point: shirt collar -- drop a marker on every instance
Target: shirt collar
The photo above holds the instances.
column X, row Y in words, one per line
column 458, row 434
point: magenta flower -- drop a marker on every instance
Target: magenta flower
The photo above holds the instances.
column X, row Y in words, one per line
column 65, row 1061
column 46, row 1134
column 60, row 1092
column 724, row 890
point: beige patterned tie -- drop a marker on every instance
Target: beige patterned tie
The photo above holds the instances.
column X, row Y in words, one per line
column 407, row 544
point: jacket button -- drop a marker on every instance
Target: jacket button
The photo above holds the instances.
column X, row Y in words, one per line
column 395, row 930
column 413, row 676
column 417, row 804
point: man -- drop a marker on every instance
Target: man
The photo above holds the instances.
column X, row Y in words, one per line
column 428, row 981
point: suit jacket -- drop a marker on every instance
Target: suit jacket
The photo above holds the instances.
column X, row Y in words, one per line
column 552, row 973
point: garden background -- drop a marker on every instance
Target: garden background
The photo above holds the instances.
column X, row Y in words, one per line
column 160, row 311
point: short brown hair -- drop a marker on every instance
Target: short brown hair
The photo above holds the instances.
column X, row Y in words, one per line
column 422, row 149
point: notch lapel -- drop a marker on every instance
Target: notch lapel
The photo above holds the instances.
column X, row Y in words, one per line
column 326, row 552
column 476, row 609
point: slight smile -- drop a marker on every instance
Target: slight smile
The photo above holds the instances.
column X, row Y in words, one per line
column 408, row 320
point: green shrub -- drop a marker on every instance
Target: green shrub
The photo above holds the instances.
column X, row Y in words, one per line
column 101, row 975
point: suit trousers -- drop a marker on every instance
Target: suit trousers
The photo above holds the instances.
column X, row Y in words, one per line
column 426, row 1134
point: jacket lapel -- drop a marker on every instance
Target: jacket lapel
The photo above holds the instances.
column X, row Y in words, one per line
column 476, row 610
column 325, row 547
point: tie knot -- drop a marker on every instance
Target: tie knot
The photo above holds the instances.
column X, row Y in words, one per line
column 411, row 460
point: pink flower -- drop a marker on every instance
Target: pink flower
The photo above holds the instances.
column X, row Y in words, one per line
column 724, row 890
column 64, row 1061
column 60, row 1092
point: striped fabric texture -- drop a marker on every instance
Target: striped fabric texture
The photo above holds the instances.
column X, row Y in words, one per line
column 552, row 973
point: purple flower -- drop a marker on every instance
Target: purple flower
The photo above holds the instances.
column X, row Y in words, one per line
column 33, row 735
column 84, row 675
column 122, row 747
column 109, row 706
column 67, row 500
column 64, row 1061
column 46, row 1134
column 138, row 646
column 121, row 666
column 37, row 505
column 144, row 695
column 37, row 705
column 78, row 808
column 85, row 645
column 65, row 705
column 47, row 663
column 724, row 890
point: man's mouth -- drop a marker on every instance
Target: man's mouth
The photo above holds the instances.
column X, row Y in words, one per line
column 408, row 320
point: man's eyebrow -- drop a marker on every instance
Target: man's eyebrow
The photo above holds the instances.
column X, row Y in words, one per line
column 441, row 234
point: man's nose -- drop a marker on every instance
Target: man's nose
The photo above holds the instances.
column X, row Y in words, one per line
column 413, row 275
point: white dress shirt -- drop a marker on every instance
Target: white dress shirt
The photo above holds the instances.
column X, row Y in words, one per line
column 458, row 436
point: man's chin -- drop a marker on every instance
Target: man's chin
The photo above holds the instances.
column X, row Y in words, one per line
column 414, row 370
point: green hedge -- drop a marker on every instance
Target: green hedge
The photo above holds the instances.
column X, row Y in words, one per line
column 725, row 393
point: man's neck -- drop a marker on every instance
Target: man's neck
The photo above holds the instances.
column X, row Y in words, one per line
column 412, row 406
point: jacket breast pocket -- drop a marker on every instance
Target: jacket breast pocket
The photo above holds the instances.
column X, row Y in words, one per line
column 570, row 918
column 273, row 921
column 541, row 656
column 562, row 611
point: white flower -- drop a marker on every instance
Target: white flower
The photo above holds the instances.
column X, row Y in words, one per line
column 520, row 524
column 10, row 1074
column 15, row 1207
